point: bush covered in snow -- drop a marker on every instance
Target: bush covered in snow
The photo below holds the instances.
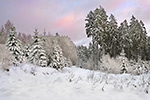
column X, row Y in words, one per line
column 6, row 59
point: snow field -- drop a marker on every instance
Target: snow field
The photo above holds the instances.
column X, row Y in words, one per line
column 29, row 82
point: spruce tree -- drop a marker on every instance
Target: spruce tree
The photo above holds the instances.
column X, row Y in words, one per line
column 101, row 27
column 137, row 37
column 14, row 45
column 143, row 41
column 113, row 42
column 42, row 58
column 26, row 51
column 123, row 61
column 58, row 60
column 96, row 28
column 37, row 54
column 125, row 38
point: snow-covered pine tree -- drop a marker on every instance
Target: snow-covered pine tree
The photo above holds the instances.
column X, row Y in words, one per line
column 101, row 30
column 143, row 41
column 96, row 28
column 141, row 67
column 113, row 43
column 37, row 54
column 26, row 51
column 14, row 45
column 58, row 60
column 42, row 58
column 125, row 38
column 138, row 37
column 81, row 55
column 123, row 65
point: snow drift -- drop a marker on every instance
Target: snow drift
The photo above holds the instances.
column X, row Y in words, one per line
column 29, row 82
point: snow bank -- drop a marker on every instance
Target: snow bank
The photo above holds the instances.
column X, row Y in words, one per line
column 29, row 82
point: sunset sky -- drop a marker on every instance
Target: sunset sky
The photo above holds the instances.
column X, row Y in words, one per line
column 67, row 17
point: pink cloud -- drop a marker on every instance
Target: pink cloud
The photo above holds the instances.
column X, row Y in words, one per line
column 71, row 26
column 66, row 21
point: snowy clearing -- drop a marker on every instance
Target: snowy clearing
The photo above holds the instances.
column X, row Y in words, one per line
column 29, row 82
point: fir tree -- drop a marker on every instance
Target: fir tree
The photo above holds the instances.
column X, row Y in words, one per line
column 96, row 28
column 58, row 60
column 123, row 65
column 125, row 38
column 113, row 43
column 42, row 58
column 37, row 54
column 143, row 41
column 26, row 51
column 135, row 35
column 14, row 45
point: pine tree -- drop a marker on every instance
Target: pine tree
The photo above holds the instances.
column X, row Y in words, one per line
column 37, row 54
column 81, row 56
column 143, row 41
column 96, row 28
column 141, row 67
column 90, row 25
column 113, row 43
column 123, row 65
column 125, row 38
column 58, row 60
column 138, row 38
column 26, row 51
column 42, row 58
column 14, row 45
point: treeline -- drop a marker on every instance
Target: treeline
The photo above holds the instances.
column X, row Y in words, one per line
column 35, row 52
column 113, row 38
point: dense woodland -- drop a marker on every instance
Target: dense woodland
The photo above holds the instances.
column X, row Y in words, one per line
column 105, row 32
column 109, row 38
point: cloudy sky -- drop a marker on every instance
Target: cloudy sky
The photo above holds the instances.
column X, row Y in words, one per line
column 67, row 17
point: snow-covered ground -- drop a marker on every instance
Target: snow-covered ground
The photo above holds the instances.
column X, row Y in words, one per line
column 29, row 82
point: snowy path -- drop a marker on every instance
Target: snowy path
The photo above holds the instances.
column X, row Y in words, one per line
column 69, row 84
